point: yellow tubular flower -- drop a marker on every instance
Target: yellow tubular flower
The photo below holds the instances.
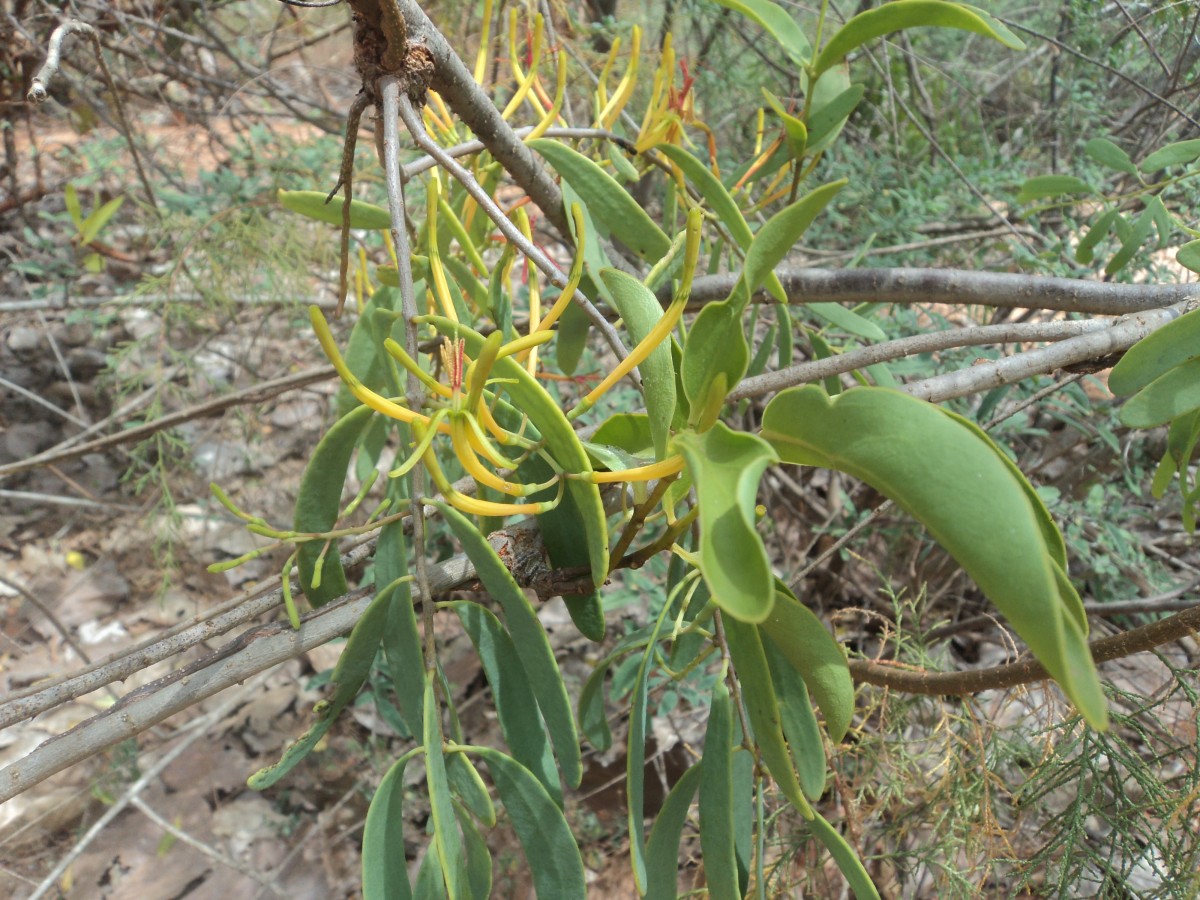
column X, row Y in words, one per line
column 363, row 393
column 481, row 58
column 514, row 56
column 470, row 462
column 482, row 445
column 525, row 342
column 669, row 466
column 625, row 89
column 422, row 445
column 401, row 356
column 663, row 327
column 575, row 275
column 560, row 86
column 479, row 370
column 441, row 288
column 602, row 84
column 472, row 505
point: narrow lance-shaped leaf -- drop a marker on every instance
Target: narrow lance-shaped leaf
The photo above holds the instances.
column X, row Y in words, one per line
column 902, row 14
column 384, row 868
column 445, row 822
column 1172, row 395
column 716, row 799
column 968, row 499
column 799, row 720
column 536, row 656
column 845, row 857
column 662, row 847
column 725, row 467
column 778, row 22
column 1156, row 354
column 313, row 205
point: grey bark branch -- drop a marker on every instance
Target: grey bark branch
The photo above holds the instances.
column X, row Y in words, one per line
column 956, row 286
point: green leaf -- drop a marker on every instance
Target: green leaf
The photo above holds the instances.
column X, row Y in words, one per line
column 550, row 849
column 401, row 639
column 662, row 847
column 536, row 656
column 468, row 787
column 1176, row 154
column 796, row 131
column 813, row 652
column 319, row 502
column 351, row 671
column 364, row 353
column 1167, row 397
column 313, row 205
column 94, row 223
column 384, row 868
column 561, row 441
column 1188, row 255
column 717, row 196
column 606, row 200
column 593, row 719
column 726, row 466
column 1137, row 237
column 775, row 240
column 512, row 696
column 969, row 500
column 778, row 22
column 848, row 320
column 641, row 311
column 1085, row 252
column 1156, row 354
column 762, row 708
column 71, row 198
column 1105, row 152
column 478, row 861
column 845, row 857
column 903, row 14
column 1042, row 186
column 445, row 822
column 714, row 360
column 716, row 799
column 800, row 725
column 627, row 431
column 829, row 116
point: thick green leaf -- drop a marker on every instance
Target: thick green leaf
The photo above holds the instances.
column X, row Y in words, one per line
column 629, row 432
column 430, row 885
column 800, row 725
column 478, row 861
column 716, row 799
column 512, row 696
column 469, row 789
column 384, row 868
column 550, row 849
column 640, row 310
column 401, row 639
column 1156, row 354
column 828, row 116
column 662, row 847
column 1167, row 397
column 726, row 466
column 351, row 671
column 536, row 656
column 97, row 219
column 319, row 502
column 1137, row 237
column 762, row 708
column 1105, row 152
column 1189, row 255
column 902, row 14
column 313, row 205
column 795, row 130
column 1085, row 251
column 970, row 501
column 74, row 209
column 775, row 240
column 714, row 360
column 445, row 822
column 606, row 200
column 845, row 857
column 561, row 441
column 813, row 652
column 848, row 320
column 593, row 718
column 778, row 22
column 1042, row 186
column 1176, row 154
column 718, row 197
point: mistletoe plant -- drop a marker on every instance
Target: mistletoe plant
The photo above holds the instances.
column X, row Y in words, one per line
column 447, row 366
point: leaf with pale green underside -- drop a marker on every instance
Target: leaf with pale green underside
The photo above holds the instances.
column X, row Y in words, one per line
column 813, row 652
column 715, row 358
column 1177, row 154
column 1042, row 186
column 1156, row 354
column 641, row 311
column 778, row 22
column 799, row 721
column 1105, row 152
column 834, row 99
column 1188, row 255
column 726, row 466
column 775, row 240
column 384, row 870
column 469, row 789
column 550, row 848
column 312, row 204
column 606, row 200
column 967, row 498
column 903, row 14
